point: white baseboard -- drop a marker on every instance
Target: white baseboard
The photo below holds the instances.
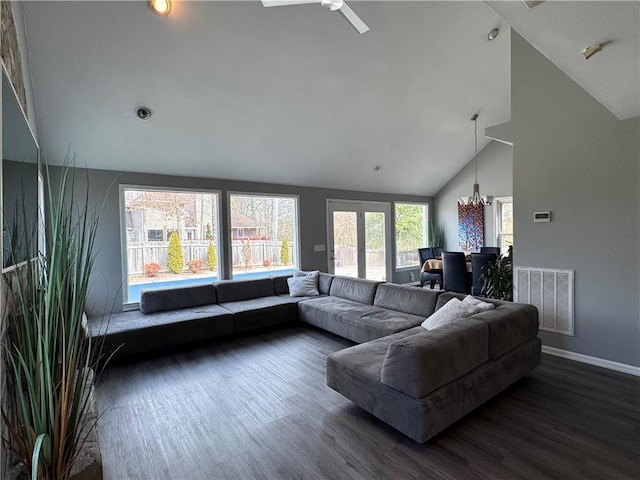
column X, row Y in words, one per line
column 598, row 362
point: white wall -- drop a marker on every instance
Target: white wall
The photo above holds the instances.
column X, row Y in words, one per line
column 495, row 172
column 573, row 157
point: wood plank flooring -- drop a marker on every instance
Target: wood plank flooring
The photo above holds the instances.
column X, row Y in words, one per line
column 257, row 407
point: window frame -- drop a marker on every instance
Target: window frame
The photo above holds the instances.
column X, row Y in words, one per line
column 499, row 234
column 427, row 215
column 296, row 259
column 126, row 304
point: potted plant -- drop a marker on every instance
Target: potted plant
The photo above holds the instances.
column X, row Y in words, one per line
column 497, row 278
column 50, row 361
column 436, row 235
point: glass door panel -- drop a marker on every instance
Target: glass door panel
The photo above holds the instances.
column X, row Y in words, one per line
column 375, row 255
column 358, row 236
column 345, row 243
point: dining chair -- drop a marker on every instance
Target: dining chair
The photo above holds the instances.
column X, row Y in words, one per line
column 454, row 272
column 479, row 262
column 427, row 276
column 437, row 251
column 425, row 254
column 494, row 250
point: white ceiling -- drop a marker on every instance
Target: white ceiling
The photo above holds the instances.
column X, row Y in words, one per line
column 288, row 95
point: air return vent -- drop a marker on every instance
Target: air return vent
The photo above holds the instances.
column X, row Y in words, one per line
column 549, row 290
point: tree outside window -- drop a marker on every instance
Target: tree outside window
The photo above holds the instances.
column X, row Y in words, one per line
column 411, row 233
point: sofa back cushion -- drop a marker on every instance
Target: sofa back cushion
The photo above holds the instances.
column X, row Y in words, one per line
column 163, row 299
column 406, row 299
column 280, row 285
column 324, row 283
column 354, row 289
column 510, row 324
column 238, row 290
column 421, row 363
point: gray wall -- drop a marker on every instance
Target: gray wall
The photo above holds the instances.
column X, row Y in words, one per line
column 573, row 157
column 495, row 176
column 106, row 285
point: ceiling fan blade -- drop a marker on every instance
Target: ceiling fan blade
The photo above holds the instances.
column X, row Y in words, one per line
column 284, row 3
column 532, row 3
column 354, row 19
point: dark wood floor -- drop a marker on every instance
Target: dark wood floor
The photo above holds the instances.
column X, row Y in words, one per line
column 257, row 407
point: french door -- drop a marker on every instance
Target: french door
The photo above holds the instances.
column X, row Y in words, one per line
column 359, row 237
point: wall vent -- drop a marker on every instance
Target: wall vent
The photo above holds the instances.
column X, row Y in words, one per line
column 551, row 291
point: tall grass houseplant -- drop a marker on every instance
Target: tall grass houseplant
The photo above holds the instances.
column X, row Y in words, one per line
column 435, row 235
column 49, row 356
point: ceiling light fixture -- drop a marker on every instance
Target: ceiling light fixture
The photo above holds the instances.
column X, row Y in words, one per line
column 160, row 7
column 143, row 113
column 475, row 198
column 591, row 50
column 493, row 34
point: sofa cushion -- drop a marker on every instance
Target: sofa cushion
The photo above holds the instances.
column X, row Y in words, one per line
column 421, row 363
column 280, row 284
column 354, row 289
column 510, row 324
column 324, row 283
column 407, row 299
column 354, row 320
column 261, row 312
column 134, row 332
column 238, row 290
column 163, row 299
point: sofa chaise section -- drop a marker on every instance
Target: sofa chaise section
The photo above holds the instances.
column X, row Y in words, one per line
column 421, row 381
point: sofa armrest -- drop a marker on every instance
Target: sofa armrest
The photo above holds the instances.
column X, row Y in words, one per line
column 426, row 361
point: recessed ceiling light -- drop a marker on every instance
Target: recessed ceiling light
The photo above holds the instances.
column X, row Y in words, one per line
column 160, row 7
column 493, row 34
column 143, row 113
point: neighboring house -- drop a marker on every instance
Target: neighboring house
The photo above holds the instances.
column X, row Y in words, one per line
column 243, row 228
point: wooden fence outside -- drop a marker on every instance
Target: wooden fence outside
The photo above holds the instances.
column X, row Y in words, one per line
column 139, row 254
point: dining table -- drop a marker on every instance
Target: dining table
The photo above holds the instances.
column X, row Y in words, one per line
column 436, row 264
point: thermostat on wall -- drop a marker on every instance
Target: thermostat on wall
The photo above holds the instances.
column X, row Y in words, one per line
column 541, row 217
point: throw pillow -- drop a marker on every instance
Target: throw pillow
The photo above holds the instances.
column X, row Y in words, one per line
column 303, row 286
column 449, row 312
column 479, row 305
column 301, row 273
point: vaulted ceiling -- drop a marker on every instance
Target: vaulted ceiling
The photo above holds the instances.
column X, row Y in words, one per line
column 292, row 94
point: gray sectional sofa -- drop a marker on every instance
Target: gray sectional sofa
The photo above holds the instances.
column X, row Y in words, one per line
column 418, row 381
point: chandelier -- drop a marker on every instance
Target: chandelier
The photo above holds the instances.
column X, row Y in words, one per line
column 476, row 198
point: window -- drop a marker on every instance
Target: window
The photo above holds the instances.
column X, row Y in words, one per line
column 264, row 235
column 411, row 233
column 504, row 223
column 155, row 235
column 152, row 255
